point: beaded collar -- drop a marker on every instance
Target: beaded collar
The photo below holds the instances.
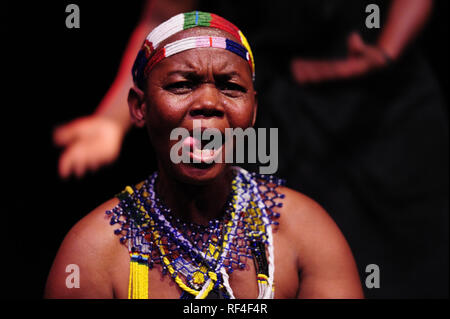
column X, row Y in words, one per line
column 200, row 258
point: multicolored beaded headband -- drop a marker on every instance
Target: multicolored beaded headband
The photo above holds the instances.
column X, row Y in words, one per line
column 150, row 54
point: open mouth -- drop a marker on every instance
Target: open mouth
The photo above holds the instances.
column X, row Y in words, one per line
column 204, row 152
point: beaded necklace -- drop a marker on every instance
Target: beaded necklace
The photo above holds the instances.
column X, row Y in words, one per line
column 200, row 258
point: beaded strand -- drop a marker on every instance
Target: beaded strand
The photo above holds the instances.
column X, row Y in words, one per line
column 202, row 255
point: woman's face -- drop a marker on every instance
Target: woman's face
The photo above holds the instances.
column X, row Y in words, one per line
column 211, row 85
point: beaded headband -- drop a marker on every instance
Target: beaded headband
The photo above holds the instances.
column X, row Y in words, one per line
column 150, row 54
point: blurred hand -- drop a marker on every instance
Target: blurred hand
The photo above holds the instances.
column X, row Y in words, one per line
column 89, row 142
column 362, row 58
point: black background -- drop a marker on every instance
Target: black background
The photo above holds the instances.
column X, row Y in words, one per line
column 57, row 74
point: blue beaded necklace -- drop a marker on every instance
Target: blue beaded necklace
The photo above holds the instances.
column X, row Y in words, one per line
column 199, row 258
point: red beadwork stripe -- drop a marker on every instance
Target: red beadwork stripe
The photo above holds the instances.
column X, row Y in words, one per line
column 148, row 48
column 225, row 25
column 157, row 57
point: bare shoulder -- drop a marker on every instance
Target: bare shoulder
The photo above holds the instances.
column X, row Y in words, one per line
column 90, row 245
column 305, row 221
column 300, row 212
column 325, row 260
column 94, row 230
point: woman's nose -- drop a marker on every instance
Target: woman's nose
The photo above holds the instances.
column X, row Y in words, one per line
column 208, row 102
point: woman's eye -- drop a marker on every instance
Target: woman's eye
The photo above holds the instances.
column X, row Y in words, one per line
column 232, row 89
column 180, row 87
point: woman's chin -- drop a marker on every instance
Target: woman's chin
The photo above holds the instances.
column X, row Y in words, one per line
column 199, row 173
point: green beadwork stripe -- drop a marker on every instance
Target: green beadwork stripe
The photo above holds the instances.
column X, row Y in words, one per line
column 199, row 19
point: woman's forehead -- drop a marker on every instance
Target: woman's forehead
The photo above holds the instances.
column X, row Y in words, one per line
column 201, row 61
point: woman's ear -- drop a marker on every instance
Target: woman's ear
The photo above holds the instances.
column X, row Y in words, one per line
column 255, row 109
column 137, row 105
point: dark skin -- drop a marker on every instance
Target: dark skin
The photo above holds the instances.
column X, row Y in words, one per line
column 312, row 258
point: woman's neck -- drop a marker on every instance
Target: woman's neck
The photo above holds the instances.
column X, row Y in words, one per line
column 195, row 203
